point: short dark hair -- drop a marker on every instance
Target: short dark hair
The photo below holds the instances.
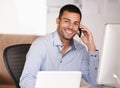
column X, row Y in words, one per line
column 70, row 8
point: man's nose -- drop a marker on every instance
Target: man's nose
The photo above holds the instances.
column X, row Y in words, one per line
column 71, row 25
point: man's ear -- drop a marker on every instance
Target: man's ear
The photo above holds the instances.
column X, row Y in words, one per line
column 57, row 20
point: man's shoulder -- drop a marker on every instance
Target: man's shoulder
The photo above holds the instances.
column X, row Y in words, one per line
column 78, row 44
column 44, row 37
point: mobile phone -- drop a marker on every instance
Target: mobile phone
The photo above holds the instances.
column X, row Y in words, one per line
column 80, row 32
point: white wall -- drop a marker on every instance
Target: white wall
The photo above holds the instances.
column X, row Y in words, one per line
column 23, row 16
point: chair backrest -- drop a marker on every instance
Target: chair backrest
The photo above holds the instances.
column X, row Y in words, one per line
column 14, row 59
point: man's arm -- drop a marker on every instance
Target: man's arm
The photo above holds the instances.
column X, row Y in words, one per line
column 87, row 38
column 93, row 55
column 89, row 66
column 32, row 65
column 93, row 66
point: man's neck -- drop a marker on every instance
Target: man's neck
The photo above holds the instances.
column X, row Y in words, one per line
column 66, row 45
column 65, row 42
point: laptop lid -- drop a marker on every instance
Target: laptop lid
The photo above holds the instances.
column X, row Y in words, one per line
column 58, row 79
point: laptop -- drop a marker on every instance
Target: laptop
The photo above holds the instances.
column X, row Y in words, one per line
column 58, row 79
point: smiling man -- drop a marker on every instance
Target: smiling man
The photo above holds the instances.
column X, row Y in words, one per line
column 58, row 51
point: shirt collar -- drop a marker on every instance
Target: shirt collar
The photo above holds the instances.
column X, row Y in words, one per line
column 57, row 41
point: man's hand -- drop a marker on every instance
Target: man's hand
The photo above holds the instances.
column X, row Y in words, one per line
column 87, row 38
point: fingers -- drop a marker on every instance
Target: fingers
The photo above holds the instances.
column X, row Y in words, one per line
column 87, row 38
column 85, row 30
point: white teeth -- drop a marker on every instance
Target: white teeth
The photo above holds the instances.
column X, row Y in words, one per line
column 69, row 31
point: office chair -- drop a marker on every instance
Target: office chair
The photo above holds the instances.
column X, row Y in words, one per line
column 14, row 59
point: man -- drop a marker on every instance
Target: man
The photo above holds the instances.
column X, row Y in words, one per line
column 58, row 51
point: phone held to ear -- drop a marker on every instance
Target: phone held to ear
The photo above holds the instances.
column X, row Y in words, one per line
column 80, row 32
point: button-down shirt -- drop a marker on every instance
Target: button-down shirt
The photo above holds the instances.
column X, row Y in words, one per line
column 45, row 55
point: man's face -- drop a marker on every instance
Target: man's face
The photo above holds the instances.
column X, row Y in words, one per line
column 67, row 25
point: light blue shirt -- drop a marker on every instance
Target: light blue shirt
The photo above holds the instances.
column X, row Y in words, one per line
column 45, row 55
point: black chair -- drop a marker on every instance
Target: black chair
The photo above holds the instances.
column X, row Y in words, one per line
column 14, row 59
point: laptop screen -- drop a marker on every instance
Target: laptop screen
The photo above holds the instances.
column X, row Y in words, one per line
column 58, row 79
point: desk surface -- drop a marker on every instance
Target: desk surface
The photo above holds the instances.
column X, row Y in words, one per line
column 84, row 84
column 7, row 86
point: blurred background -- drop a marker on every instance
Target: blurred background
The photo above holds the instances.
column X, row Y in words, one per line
column 38, row 17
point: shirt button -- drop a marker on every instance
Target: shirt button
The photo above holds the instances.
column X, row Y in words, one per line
column 92, row 55
column 60, row 61
column 96, row 68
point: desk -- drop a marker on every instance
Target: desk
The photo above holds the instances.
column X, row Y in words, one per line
column 7, row 86
column 84, row 84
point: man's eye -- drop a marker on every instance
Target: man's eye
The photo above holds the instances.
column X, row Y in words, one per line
column 66, row 21
column 76, row 23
